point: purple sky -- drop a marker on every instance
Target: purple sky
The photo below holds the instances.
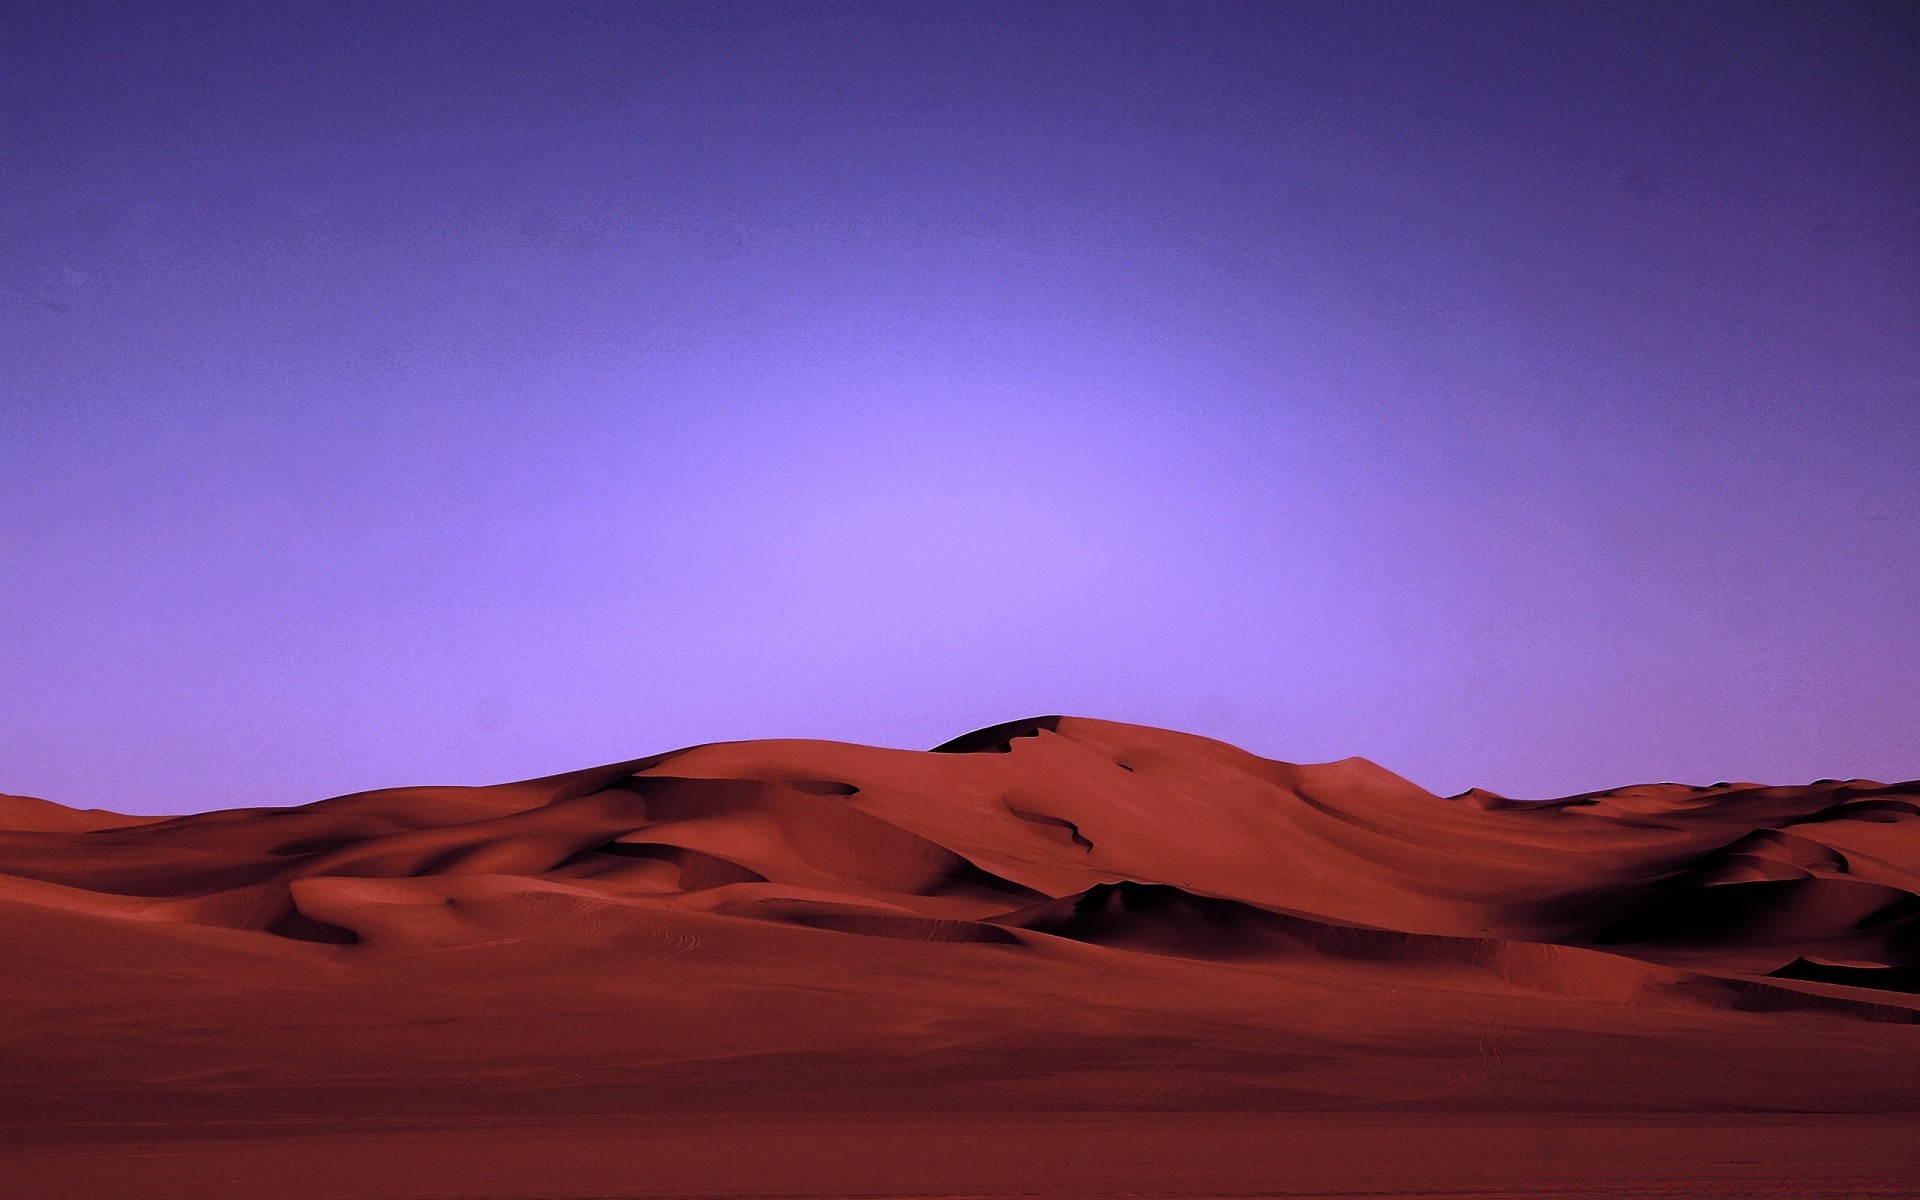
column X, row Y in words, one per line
column 1525, row 396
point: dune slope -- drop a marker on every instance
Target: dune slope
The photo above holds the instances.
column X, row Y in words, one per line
column 1051, row 915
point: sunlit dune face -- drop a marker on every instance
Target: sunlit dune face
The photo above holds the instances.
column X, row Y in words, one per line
column 1043, row 915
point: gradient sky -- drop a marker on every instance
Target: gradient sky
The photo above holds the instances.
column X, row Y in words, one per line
column 1524, row 396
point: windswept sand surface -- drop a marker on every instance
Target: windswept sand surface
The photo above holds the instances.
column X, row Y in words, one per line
column 1057, row 958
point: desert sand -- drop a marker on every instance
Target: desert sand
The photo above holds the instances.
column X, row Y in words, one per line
column 1059, row 957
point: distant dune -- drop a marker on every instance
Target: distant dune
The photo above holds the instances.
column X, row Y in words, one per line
column 1056, row 915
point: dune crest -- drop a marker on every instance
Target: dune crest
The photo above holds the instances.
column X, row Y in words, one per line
column 1741, row 878
column 981, row 925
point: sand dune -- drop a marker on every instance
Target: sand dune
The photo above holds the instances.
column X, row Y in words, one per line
column 1051, row 915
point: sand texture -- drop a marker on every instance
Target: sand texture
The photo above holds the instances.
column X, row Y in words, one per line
column 1060, row 957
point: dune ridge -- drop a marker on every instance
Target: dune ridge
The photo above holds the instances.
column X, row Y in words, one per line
column 1038, row 914
column 1736, row 876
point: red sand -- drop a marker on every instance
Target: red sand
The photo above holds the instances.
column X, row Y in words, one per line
column 1061, row 958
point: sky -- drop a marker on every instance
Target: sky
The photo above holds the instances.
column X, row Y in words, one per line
column 1523, row 396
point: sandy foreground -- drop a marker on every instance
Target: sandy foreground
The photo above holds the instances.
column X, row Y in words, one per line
column 985, row 1154
column 1056, row 958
